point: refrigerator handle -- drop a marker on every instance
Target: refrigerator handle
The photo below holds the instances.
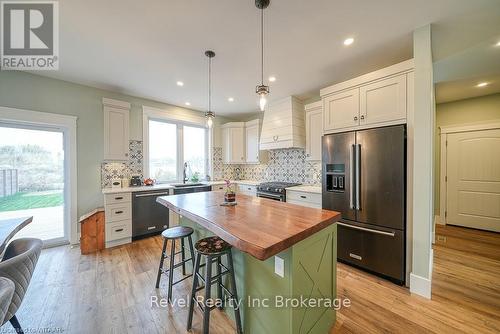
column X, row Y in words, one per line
column 358, row 176
column 351, row 177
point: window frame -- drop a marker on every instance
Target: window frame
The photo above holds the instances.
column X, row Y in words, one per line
column 180, row 120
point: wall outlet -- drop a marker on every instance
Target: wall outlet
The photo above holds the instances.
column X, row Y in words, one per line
column 279, row 266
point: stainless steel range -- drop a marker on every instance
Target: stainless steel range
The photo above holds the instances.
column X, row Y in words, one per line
column 274, row 190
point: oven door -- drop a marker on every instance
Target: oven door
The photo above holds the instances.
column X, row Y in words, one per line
column 275, row 197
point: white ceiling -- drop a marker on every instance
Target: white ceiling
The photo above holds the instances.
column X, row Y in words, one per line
column 457, row 75
column 143, row 47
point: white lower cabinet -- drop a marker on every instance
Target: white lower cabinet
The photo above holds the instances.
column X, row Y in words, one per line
column 246, row 189
column 118, row 213
column 312, row 200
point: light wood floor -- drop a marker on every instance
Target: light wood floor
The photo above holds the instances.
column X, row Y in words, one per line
column 110, row 292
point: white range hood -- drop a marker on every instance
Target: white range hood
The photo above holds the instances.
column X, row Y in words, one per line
column 284, row 125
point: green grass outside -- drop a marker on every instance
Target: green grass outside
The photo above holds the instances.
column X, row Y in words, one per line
column 23, row 201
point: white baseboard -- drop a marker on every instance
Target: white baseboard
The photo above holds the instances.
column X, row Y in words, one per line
column 420, row 286
column 438, row 220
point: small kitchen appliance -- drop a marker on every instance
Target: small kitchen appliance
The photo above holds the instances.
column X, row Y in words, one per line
column 135, row 181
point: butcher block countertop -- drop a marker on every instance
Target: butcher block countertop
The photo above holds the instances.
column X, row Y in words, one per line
column 258, row 226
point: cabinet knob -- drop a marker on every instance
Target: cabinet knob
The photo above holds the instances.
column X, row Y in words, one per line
column 307, row 154
column 362, row 116
column 355, row 118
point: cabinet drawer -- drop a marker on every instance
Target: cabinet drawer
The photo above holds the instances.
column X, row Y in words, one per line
column 117, row 212
column 117, row 198
column 119, row 230
column 370, row 249
column 303, row 197
column 247, row 189
column 308, row 204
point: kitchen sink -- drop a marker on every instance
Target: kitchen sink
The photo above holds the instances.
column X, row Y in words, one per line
column 185, row 185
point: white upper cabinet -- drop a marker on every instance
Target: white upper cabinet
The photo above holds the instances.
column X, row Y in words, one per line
column 314, row 130
column 116, row 129
column 341, row 110
column 233, row 143
column 383, row 101
column 372, row 100
column 252, row 141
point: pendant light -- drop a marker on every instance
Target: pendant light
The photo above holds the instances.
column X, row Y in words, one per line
column 262, row 90
column 209, row 114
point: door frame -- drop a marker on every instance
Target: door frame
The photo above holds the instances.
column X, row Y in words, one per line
column 67, row 125
column 443, row 132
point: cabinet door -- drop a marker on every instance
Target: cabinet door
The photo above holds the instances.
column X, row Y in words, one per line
column 252, row 144
column 116, row 134
column 314, row 130
column 233, row 145
column 237, row 145
column 383, row 101
column 341, row 110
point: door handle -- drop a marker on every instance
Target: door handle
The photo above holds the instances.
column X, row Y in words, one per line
column 118, row 198
column 150, row 194
column 390, row 234
column 351, row 177
column 302, row 196
column 355, row 256
column 118, row 212
column 358, row 176
column 119, row 230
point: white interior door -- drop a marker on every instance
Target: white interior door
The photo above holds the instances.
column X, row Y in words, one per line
column 473, row 186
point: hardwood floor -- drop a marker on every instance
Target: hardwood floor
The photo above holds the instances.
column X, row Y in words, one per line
column 110, row 292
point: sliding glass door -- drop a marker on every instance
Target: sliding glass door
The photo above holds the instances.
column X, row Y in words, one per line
column 32, row 180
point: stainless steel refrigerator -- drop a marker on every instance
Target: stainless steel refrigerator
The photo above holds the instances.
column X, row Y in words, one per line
column 364, row 178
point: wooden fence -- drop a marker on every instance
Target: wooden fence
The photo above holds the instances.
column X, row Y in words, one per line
column 9, row 182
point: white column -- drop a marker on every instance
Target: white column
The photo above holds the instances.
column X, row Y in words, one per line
column 423, row 161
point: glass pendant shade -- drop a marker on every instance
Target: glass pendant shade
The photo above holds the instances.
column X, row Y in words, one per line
column 209, row 122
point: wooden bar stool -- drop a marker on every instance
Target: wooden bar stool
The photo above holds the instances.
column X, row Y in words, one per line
column 213, row 248
column 173, row 234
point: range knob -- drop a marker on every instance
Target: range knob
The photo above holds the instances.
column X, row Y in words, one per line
column 268, row 188
column 280, row 190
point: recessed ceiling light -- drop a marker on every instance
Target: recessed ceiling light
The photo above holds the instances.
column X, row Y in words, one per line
column 187, row 103
column 498, row 44
column 180, row 83
column 348, row 41
column 230, row 99
column 482, row 84
column 272, row 78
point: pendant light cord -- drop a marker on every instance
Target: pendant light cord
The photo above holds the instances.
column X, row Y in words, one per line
column 262, row 45
column 209, row 84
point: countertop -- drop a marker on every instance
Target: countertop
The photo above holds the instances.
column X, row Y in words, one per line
column 169, row 186
column 306, row 189
column 90, row 214
column 257, row 226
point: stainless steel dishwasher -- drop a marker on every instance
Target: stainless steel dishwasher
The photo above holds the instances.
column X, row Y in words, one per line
column 148, row 216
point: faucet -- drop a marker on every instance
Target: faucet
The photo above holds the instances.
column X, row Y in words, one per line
column 184, row 174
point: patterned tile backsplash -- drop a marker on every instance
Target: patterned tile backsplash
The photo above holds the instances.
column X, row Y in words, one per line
column 288, row 165
column 120, row 170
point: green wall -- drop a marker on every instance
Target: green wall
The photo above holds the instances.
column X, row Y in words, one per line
column 27, row 91
column 479, row 109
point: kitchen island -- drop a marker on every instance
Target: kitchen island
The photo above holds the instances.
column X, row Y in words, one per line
column 263, row 231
